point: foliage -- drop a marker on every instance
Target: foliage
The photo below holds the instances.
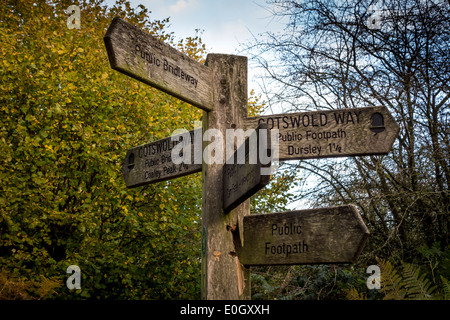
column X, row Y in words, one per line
column 13, row 288
column 255, row 105
column 315, row 282
column 268, row 199
column 66, row 121
column 404, row 281
column 445, row 288
column 410, row 284
column 408, row 281
column 392, row 283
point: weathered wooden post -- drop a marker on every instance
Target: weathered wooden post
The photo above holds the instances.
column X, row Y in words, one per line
column 223, row 276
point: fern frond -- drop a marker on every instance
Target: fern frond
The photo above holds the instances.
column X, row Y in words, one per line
column 392, row 285
column 445, row 288
column 46, row 286
column 353, row 294
column 417, row 286
column 267, row 288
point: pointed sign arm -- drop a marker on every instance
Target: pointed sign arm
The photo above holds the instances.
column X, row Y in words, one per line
column 142, row 56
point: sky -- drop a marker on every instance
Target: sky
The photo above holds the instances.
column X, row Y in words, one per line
column 226, row 24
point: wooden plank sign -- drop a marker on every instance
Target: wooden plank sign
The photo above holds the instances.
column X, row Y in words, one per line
column 326, row 235
column 152, row 162
column 332, row 133
column 138, row 54
column 242, row 178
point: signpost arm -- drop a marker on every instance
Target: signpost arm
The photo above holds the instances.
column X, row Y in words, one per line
column 223, row 276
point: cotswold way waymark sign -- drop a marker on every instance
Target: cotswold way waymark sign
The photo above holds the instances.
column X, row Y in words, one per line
column 332, row 133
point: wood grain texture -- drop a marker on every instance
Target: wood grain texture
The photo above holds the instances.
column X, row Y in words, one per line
column 152, row 162
column 138, row 54
column 314, row 236
column 223, row 277
column 331, row 133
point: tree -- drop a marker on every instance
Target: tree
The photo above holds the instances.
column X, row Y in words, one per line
column 66, row 121
column 344, row 54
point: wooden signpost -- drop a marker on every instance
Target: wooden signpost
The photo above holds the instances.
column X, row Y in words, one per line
column 152, row 162
column 241, row 177
column 332, row 133
column 232, row 240
column 325, row 235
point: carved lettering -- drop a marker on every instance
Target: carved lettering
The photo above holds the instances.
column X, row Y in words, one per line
column 331, row 133
column 285, row 249
column 152, row 60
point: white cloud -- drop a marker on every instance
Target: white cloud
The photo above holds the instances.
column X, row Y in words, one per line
column 181, row 5
column 226, row 35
